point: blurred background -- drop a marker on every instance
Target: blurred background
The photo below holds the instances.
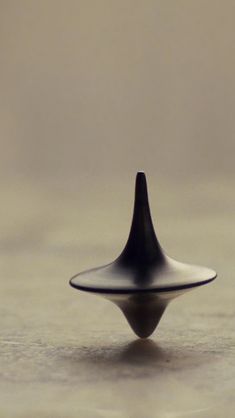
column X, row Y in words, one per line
column 91, row 92
column 105, row 87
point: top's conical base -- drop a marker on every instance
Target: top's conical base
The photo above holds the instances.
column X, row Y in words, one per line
column 143, row 314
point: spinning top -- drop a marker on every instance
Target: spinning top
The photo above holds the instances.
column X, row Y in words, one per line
column 143, row 279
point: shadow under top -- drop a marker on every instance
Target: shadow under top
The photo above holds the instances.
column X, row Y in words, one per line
column 142, row 267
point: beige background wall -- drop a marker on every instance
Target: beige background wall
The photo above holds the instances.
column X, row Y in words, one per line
column 92, row 87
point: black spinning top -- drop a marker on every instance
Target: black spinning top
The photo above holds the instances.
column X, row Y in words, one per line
column 143, row 279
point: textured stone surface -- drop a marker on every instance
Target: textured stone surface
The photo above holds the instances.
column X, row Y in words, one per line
column 68, row 354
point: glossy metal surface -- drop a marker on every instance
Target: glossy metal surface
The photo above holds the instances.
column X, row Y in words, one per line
column 143, row 279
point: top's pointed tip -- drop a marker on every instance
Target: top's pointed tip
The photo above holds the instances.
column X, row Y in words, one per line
column 140, row 178
column 141, row 193
column 140, row 174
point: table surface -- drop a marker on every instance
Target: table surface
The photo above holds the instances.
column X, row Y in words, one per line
column 70, row 354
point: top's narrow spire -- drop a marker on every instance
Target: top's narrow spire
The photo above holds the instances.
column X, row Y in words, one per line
column 142, row 245
column 141, row 192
